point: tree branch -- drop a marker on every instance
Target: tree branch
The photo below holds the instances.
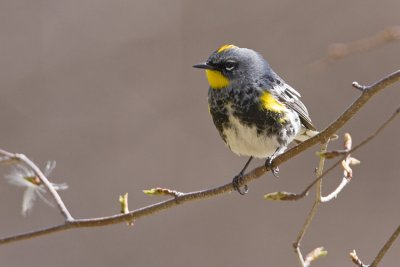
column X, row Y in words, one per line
column 367, row 93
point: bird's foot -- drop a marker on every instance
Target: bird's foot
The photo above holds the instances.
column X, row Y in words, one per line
column 274, row 170
column 236, row 183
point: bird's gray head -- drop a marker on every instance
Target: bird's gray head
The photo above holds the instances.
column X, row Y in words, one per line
column 231, row 64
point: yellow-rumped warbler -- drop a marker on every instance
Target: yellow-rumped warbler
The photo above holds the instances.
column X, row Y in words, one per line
column 256, row 113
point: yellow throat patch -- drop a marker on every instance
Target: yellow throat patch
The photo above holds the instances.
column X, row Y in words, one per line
column 270, row 103
column 216, row 79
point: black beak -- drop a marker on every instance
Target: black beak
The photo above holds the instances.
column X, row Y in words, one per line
column 204, row 65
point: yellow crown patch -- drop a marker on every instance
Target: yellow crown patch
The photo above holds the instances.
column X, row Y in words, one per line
column 226, row 47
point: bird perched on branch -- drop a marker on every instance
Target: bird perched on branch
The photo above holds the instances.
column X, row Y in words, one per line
column 256, row 113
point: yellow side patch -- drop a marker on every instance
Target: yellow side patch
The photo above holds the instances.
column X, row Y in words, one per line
column 270, row 103
column 282, row 120
column 216, row 79
column 226, row 47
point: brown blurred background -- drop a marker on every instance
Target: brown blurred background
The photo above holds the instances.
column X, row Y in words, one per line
column 106, row 89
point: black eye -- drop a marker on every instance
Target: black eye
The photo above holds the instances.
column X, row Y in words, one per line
column 230, row 65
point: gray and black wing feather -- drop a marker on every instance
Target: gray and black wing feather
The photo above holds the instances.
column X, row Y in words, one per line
column 291, row 98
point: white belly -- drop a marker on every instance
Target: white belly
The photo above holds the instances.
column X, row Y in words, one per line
column 244, row 140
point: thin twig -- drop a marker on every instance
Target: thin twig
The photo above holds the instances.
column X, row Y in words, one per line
column 63, row 209
column 304, row 193
column 347, row 172
column 361, row 144
column 337, row 51
column 252, row 175
column 314, row 208
column 336, row 192
column 386, row 247
column 22, row 158
column 319, row 172
column 356, row 260
column 345, row 180
column 299, row 256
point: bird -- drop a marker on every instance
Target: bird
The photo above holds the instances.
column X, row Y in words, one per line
column 256, row 113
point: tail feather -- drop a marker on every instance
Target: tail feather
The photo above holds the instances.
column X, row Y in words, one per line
column 305, row 134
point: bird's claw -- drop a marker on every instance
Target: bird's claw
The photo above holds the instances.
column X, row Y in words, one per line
column 274, row 170
column 236, row 181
